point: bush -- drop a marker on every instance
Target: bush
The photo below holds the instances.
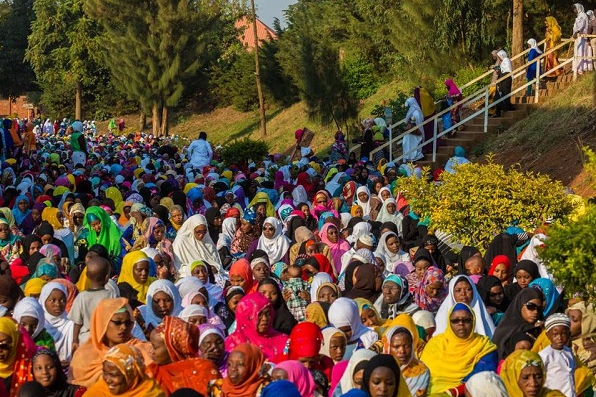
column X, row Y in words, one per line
column 397, row 107
column 360, row 77
column 243, row 151
column 461, row 77
column 570, row 252
column 482, row 200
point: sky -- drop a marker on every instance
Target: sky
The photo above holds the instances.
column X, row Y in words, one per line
column 267, row 10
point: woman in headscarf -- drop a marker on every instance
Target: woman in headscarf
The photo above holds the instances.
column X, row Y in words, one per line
column 163, row 299
column 454, row 96
column 552, row 39
column 491, row 291
column 524, row 375
column 389, row 247
column 245, row 382
column 524, row 273
column 135, row 272
column 53, row 301
column 304, row 180
column 283, row 320
column 177, row 217
column 353, row 375
column 534, row 53
column 202, row 271
column 458, row 353
column 228, row 231
column 432, row 290
column 501, row 268
column 334, row 344
column 154, row 236
column 112, row 323
column 463, row 290
column 275, row 244
column 382, row 377
column 370, row 208
column 193, row 242
column 246, row 233
column 6, row 213
column 214, row 223
column 390, row 213
column 241, row 275
column 31, row 316
column 254, row 317
column 582, row 44
column 175, row 349
column 361, row 281
column 15, row 363
column 523, row 315
column 212, row 347
column 30, row 245
column 226, row 310
column 124, row 374
column 262, row 198
column 504, row 87
column 368, row 314
column 10, row 244
column 47, row 370
column 21, row 209
column 53, row 216
column 298, row 374
column 583, row 331
column 330, row 235
column 304, row 345
column 414, row 117
column 103, row 231
column 552, row 299
column 344, row 315
column 396, row 298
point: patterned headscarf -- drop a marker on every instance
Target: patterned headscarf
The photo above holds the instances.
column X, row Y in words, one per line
column 180, row 337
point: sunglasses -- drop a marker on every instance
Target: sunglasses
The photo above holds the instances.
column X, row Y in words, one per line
column 127, row 323
column 532, row 307
column 461, row 321
column 269, row 228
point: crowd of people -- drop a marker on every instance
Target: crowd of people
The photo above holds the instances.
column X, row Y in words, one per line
column 134, row 268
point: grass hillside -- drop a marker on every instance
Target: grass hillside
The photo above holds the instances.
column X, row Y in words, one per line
column 550, row 139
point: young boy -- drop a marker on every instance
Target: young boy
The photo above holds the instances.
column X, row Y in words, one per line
column 558, row 358
column 98, row 273
column 296, row 293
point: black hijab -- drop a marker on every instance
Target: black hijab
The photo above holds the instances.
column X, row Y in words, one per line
column 466, row 253
column 513, row 322
column 381, row 360
column 484, row 285
column 163, row 213
column 283, row 320
column 512, row 289
column 26, row 242
column 214, row 231
column 502, row 244
column 60, row 387
column 294, row 223
column 365, row 286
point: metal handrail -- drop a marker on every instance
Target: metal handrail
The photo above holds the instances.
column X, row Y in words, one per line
column 466, row 101
column 488, row 73
column 484, row 110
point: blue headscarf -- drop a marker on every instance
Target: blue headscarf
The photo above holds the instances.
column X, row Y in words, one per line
column 322, row 218
column 194, row 194
column 551, row 295
column 250, row 216
column 280, row 388
column 19, row 216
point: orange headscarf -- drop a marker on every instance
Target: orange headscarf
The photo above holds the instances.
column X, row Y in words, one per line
column 87, row 360
column 129, row 361
column 253, row 361
column 72, row 292
column 242, row 268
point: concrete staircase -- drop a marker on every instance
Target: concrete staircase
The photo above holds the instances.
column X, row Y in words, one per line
column 473, row 132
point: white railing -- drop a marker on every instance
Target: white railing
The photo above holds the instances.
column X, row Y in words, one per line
column 469, row 100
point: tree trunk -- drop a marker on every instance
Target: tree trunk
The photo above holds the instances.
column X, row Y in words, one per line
column 78, row 101
column 517, row 45
column 142, row 120
column 156, row 119
column 258, row 71
column 164, row 121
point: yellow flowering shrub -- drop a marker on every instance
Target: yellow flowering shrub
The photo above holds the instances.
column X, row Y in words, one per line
column 482, row 200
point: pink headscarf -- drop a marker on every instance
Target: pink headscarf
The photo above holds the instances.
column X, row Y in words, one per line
column 452, row 88
column 271, row 343
column 337, row 249
column 300, row 376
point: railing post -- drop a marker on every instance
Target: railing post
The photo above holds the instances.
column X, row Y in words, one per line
column 537, row 94
column 575, row 63
column 486, row 111
column 390, row 143
column 434, row 139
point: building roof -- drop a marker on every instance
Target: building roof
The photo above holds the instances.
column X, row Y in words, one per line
column 246, row 36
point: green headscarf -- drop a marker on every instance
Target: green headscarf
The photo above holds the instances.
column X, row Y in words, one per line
column 110, row 234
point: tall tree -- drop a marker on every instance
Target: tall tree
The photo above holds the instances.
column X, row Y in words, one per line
column 16, row 75
column 63, row 46
column 152, row 48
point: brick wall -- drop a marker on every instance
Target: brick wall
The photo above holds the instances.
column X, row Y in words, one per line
column 21, row 107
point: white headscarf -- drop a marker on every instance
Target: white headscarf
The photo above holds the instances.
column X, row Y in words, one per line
column 360, row 229
column 390, row 258
column 151, row 252
column 188, row 284
column 188, row 249
column 333, row 184
column 30, row 307
column 277, row 246
column 581, row 21
column 534, row 46
column 590, row 15
column 299, row 195
column 381, row 191
column 486, row 384
column 414, row 111
column 59, row 327
column 167, row 287
column 506, row 65
column 318, row 280
column 344, row 312
column 385, row 216
column 365, row 205
column 346, row 382
column 484, row 322
column 193, row 310
column 228, row 230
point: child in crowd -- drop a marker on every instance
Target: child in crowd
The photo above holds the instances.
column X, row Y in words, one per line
column 296, row 293
column 98, row 273
column 558, row 358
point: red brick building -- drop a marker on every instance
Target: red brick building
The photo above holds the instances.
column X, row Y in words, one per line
column 247, row 37
column 21, row 107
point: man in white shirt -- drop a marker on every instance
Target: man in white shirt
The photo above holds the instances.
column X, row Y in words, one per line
column 200, row 153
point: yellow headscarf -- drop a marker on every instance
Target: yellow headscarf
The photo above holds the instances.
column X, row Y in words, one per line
column 83, row 283
column 450, row 359
column 114, row 194
column 50, row 214
column 316, row 314
column 126, row 274
column 427, row 103
column 555, row 30
column 262, row 197
column 34, row 286
column 403, row 320
column 512, row 367
column 365, row 303
column 189, row 186
column 8, row 216
column 9, row 327
column 167, row 202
